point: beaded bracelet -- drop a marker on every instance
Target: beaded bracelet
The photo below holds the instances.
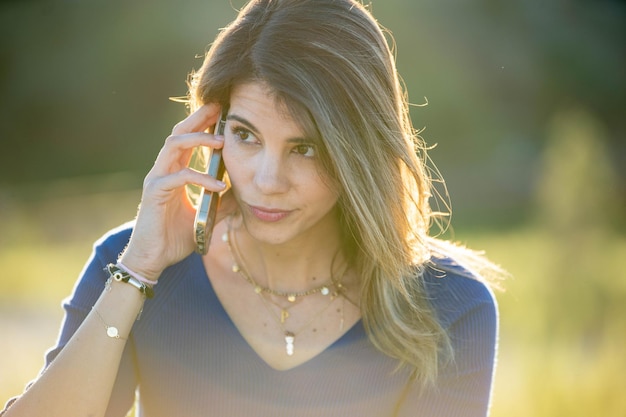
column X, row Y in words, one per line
column 119, row 274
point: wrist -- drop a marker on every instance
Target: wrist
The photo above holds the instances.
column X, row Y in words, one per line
column 120, row 275
column 138, row 276
column 135, row 267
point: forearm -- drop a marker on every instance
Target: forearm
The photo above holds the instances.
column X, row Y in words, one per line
column 80, row 380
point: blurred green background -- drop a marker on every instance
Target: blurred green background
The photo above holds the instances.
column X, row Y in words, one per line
column 526, row 106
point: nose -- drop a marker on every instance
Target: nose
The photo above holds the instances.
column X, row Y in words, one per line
column 271, row 176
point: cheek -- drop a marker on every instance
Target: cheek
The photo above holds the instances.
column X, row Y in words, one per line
column 321, row 184
column 235, row 166
column 319, row 192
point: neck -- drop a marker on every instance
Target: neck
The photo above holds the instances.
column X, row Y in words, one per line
column 292, row 266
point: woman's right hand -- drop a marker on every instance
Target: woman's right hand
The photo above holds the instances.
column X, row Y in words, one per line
column 163, row 233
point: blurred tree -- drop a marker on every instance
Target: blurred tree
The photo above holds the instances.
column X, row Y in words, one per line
column 84, row 85
column 577, row 208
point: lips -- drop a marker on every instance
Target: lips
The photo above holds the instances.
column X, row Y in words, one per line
column 269, row 214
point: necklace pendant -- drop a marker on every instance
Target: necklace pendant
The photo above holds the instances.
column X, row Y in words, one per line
column 291, row 298
column 284, row 315
column 290, row 338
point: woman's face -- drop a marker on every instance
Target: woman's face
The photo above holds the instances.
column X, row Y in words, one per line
column 274, row 171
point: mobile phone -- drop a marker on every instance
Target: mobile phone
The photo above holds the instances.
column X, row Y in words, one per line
column 209, row 201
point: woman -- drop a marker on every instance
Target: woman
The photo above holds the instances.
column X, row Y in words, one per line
column 321, row 293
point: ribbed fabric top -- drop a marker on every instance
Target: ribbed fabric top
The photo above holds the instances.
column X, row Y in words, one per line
column 187, row 358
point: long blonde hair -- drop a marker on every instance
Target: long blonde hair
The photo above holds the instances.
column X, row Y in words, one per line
column 329, row 63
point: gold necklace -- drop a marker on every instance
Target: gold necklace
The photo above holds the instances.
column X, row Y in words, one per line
column 290, row 336
column 291, row 296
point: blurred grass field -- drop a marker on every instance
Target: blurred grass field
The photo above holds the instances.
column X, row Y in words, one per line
column 563, row 315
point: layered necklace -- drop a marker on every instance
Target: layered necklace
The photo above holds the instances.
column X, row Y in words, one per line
column 333, row 289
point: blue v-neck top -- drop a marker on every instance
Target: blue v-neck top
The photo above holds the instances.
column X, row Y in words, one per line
column 185, row 357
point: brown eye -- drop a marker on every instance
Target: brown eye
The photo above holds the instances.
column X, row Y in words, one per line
column 242, row 134
column 305, row 150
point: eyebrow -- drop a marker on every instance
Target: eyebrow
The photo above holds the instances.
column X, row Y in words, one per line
column 253, row 129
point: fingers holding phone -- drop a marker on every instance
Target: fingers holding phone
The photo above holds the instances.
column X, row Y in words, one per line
column 163, row 232
column 186, row 136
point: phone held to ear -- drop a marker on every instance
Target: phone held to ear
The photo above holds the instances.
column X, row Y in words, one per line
column 209, row 201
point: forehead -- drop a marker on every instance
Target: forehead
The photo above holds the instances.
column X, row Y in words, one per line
column 259, row 100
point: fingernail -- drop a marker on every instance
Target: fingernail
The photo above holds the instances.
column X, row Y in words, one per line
column 221, row 184
column 219, row 137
